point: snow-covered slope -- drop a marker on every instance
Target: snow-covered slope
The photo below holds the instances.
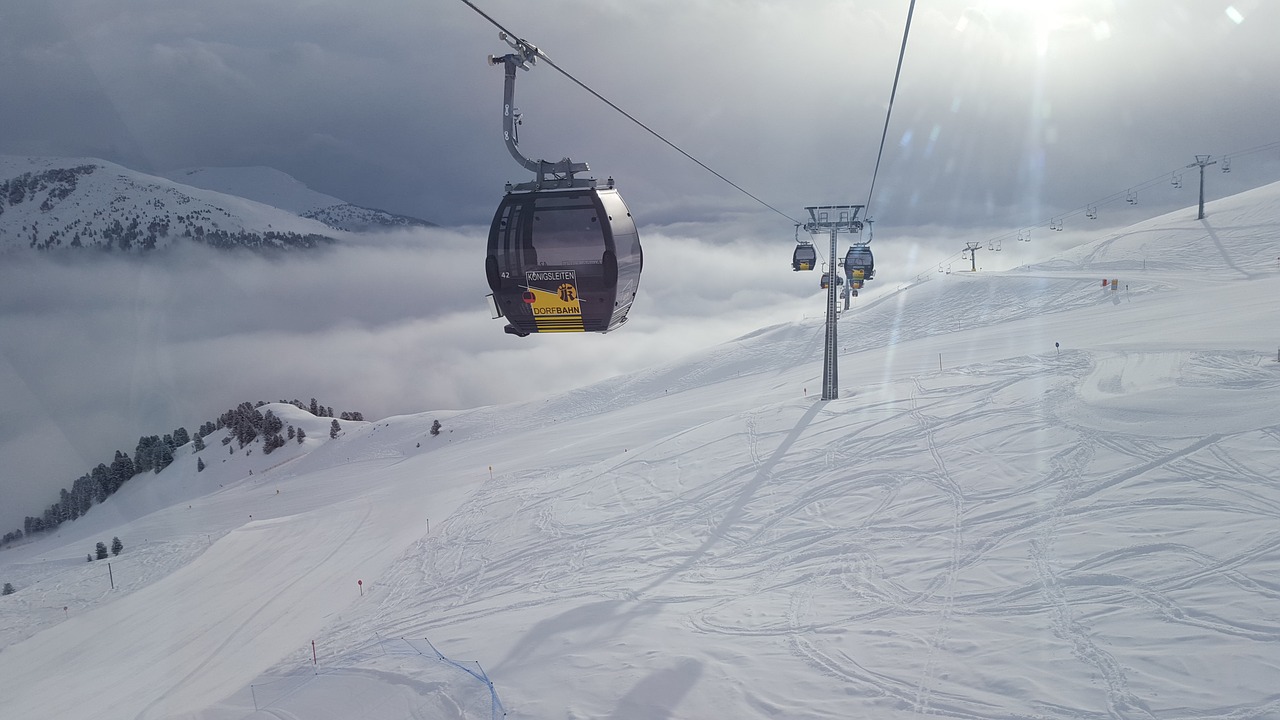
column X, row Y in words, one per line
column 1035, row 498
column 278, row 189
column 1236, row 240
column 58, row 203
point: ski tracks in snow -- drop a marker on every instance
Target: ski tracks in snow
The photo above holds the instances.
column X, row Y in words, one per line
column 943, row 480
column 908, row 522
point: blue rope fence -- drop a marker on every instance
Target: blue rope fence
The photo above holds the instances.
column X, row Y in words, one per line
column 301, row 689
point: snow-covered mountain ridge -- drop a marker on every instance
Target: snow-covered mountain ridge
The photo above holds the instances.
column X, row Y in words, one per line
column 60, row 203
column 1037, row 497
column 278, row 189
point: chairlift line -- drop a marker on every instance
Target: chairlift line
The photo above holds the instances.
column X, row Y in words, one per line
column 1130, row 194
column 1252, row 150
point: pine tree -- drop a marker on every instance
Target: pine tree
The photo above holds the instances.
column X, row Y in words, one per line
column 271, row 425
column 271, row 442
column 8, row 589
column 144, row 456
column 164, row 457
column 334, row 429
column 116, row 546
column 101, row 477
column 122, row 468
column 88, row 558
column 198, row 443
column 435, row 427
column 302, row 435
column 199, row 464
column 101, row 550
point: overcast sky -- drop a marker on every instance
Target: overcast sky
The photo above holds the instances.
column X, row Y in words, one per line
column 1007, row 110
column 1009, row 113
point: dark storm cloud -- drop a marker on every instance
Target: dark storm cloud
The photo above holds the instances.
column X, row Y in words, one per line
column 394, row 106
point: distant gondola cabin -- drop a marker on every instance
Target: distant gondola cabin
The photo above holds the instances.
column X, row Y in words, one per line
column 859, row 258
column 805, row 257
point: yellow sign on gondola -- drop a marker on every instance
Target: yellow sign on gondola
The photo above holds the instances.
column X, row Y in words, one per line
column 552, row 296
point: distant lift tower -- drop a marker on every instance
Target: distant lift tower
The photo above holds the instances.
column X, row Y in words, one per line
column 972, row 248
column 833, row 219
column 1202, row 161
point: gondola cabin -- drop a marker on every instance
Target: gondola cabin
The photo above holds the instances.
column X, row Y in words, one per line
column 859, row 265
column 565, row 260
column 826, row 280
column 804, row 258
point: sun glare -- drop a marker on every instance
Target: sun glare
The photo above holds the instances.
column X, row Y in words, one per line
column 1036, row 24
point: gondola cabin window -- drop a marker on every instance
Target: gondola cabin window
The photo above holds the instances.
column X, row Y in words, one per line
column 567, row 231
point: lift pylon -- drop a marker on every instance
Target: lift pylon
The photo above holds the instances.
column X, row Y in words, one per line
column 972, row 248
column 832, row 219
column 1202, row 162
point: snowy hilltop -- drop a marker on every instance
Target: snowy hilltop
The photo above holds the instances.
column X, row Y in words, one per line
column 63, row 203
column 1037, row 496
column 278, row 189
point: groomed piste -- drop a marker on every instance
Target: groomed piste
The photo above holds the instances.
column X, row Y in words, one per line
column 1037, row 497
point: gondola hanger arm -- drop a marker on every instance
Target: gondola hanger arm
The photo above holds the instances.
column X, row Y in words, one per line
column 528, row 52
column 549, row 174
